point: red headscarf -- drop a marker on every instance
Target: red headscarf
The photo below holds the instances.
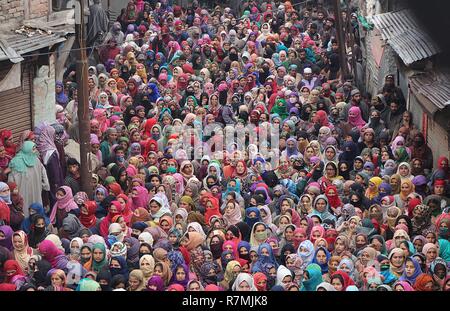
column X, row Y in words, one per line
column 104, row 224
column 333, row 200
column 257, row 277
column 115, row 188
column 347, row 279
column 10, row 265
column 5, row 212
column 322, row 118
column 411, row 204
column 214, row 210
column 126, row 212
column 89, row 220
column 147, row 131
column 10, row 148
column 421, row 281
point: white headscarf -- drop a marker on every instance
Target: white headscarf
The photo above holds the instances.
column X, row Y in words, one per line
column 282, row 272
column 241, row 278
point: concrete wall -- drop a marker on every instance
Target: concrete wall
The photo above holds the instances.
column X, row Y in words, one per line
column 44, row 93
column 438, row 135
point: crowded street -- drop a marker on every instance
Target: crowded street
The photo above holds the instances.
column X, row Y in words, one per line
column 223, row 146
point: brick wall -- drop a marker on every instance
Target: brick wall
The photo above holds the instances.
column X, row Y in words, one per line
column 14, row 11
column 38, row 8
column 11, row 11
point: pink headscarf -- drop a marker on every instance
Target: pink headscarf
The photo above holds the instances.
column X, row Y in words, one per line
column 66, row 202
column 131, row 170
column 317, row 228
column 101, row 118
column 356, row 120
column 395, row 144
column 49, row 251
column 406, row 286
column 233, row 245
column 180, row 185
column 141, row 199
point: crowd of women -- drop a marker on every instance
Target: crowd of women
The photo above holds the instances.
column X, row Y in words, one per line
column 350, row 199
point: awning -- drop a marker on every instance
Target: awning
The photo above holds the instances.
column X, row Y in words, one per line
column 402, row 31
column 432, row 89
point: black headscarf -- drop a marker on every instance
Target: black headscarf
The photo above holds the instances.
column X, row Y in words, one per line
column 245, row 230
column 105, row 274
column 40, row 277
column 287, row 247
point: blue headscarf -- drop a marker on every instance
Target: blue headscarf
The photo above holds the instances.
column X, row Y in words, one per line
column 244, row 244
column 225, row 261
column 323, row 266
column 39, row 209
column 252, row 221
column 153, row 97
column 176, row 258
column 258, row 266
column 236, row 189
column 417, row 271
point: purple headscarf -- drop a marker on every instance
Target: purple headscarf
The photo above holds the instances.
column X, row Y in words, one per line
column 8, row 233
column 61, row 98
column 157, row 281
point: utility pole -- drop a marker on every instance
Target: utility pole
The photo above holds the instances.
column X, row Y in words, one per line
column 351, row 39
column 83, row 98
column 340, row 38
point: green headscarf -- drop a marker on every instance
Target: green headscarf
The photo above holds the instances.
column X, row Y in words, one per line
column 98, row 266
column 280, row 110
column 401, row 155
column 195, row 100
column 125, row 139
column 88, row 285
column 444, row 249
column 24, row 158
column 315, row 278
column 109, row 180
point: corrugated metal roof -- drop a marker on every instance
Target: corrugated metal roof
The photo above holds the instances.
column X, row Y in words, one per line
column 22, row 44
column 434, row 86
column 405, row 35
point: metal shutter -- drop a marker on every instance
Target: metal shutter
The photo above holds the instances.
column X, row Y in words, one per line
column 16, row 104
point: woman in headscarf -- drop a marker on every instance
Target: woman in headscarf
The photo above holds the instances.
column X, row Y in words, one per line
column 29, row 175
column 354, row 118
column 22, row 252
column 406, row 188
column 52, row 254
column 424, row 283
column 139, row 197
column 45, row 144
column 232, row 213
column 321, row 208
column 64, row 205
column 6, row 140
column 61, row 97
column 312, row 277
column 396, row 261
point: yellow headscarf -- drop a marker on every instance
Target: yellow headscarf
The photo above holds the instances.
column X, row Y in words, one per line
column 372, row 194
